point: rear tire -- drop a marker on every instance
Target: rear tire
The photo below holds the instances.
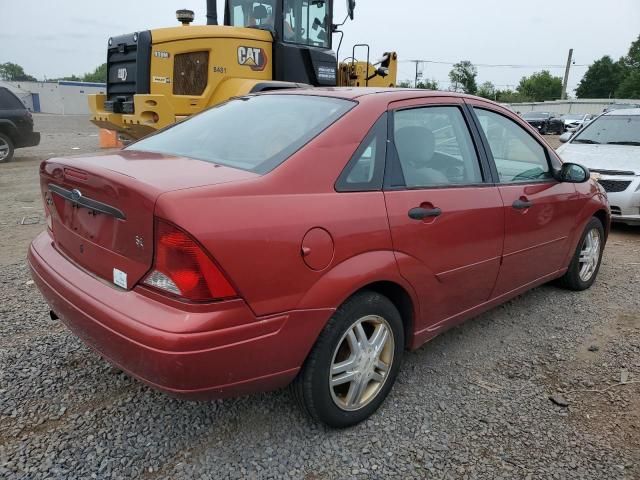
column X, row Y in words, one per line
column 6, row 148
column 586, row 260
column 351, row 370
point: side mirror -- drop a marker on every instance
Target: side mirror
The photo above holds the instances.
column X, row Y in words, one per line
column 565, row 137
column 351, row 6
column 573, row 173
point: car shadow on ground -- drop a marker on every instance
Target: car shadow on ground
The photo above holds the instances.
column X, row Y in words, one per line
column 623, row 228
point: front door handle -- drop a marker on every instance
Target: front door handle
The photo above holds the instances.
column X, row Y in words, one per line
column 420, row 213
column 522, row 204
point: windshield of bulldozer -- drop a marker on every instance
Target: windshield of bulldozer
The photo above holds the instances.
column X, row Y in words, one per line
column 305, row 22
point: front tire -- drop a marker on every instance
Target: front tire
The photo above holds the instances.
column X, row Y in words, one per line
column 586, row 260
column 6, row 148
column 354, row 363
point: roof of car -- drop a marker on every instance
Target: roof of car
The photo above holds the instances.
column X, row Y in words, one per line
column 351, row 93
column 624, row 112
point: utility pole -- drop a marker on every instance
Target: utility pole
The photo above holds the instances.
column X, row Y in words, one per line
column 418, row 73
column 566, row 75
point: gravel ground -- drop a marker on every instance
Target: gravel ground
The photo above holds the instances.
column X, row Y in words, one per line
column 472, row 404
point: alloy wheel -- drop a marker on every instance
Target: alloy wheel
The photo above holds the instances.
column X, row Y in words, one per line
column 361, row 362
column 4, row 149
column 589, row 255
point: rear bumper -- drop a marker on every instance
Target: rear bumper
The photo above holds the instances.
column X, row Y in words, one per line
column 29, row 140
column 151, row 113
column 200, row 352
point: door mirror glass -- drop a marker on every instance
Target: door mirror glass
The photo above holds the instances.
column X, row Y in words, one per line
column 574, row 173
column 565, row 137
column 351, row 6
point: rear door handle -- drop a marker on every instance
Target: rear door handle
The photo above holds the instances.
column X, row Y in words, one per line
column 420, row 213
column 522, row 204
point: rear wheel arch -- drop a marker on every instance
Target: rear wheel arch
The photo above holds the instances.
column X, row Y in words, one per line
column 9, row 129
column 402, row 300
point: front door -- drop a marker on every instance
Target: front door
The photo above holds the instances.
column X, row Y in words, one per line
column 539, row 211
column 445, row 215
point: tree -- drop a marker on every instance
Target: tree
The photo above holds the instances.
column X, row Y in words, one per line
column 429, row 85
column 632, row 60
column 99, row 75
column 541, row 86
column 509, row 96
column 630, row 86
column 463, row 77
column 488, row 90
column 14, row 73
column 602, row 79
column 404, row 84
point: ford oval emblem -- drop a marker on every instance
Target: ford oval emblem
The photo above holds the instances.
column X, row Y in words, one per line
column 76, row 194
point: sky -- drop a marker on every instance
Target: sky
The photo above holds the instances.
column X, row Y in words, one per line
column 63, row 37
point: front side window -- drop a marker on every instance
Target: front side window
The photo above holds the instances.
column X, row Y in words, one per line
column 611, row 130
column 306, row 22
column 255, row 133
column 517, row 155
column 435, row 148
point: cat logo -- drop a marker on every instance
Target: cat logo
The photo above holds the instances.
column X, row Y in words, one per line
column 122, row 74
column 252, row 57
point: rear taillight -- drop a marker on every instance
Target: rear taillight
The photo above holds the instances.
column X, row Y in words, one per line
column 182, row 268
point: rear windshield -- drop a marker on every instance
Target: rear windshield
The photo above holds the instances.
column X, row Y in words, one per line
column 254, row 133
column 611, row 130
column 8, row 101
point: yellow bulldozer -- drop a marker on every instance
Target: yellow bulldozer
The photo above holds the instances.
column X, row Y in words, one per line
column 158, row 77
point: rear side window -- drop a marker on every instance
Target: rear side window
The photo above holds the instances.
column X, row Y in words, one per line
column 8, row 101
column 365, row 170
column 255, row 133
column 517, row 155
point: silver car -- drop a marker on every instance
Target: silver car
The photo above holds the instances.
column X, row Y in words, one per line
column 610, row 147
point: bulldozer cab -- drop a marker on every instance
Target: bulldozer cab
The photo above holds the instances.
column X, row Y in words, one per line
column 301, row 29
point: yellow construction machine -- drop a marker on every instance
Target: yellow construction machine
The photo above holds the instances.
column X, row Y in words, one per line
column 158, row 77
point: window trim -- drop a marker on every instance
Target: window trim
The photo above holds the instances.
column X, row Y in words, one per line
column 393, row 159
column 379, row 128
column 489, row 153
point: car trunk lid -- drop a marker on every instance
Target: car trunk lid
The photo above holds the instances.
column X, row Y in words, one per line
column 102, row 207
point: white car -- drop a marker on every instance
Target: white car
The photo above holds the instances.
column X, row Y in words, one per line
column 573, row 121
column 610, row 147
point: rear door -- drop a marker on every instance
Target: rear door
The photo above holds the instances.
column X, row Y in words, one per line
column 445, row 214
column 539, row 211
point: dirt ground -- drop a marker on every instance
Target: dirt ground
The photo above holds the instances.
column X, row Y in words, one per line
column 474, row 403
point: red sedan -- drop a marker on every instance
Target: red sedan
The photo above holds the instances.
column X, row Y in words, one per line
column 309, row 237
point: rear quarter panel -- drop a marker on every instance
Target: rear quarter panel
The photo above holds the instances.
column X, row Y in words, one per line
column 255, row 229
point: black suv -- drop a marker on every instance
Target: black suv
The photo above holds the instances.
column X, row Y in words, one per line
column 16, row 125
